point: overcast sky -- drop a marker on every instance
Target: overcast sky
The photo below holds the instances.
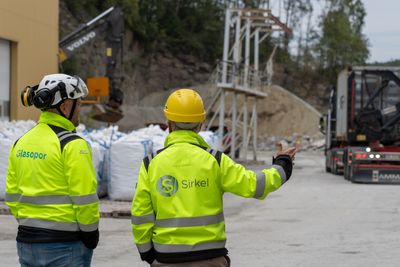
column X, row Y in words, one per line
column 382, row 26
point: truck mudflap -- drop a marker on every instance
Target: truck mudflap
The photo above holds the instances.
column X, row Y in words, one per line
column 376, row 175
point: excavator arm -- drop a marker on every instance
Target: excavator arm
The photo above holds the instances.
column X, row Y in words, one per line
column 111, row 23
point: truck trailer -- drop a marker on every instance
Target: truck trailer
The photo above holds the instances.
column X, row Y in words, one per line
column 362, row 126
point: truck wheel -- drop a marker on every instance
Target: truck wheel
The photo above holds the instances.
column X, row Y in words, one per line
column 350, row 175
column 327, row 169
column 346, row 172
column 334, row 171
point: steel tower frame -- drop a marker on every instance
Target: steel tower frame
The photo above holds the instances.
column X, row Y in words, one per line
column 238, row 75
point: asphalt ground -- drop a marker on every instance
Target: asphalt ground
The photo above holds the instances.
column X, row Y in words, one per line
column 315, row 219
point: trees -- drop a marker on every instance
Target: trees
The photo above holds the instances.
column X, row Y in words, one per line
column 196, row 27
column 192, row 27
column 341, row 41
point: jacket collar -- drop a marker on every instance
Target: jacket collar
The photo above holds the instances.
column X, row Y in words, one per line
column 184, row 136
column 55, row 119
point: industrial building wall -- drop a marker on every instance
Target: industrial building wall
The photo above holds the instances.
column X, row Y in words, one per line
column 5, row 74
column 30, row 29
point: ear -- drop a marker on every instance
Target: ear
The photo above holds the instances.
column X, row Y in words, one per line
column 169, row 126
column 199, row 127
column 64, row 107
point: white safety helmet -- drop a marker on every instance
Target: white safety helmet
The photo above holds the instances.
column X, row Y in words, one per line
column 62, row 87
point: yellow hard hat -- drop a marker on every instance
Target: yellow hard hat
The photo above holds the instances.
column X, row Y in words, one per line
column 185, row 105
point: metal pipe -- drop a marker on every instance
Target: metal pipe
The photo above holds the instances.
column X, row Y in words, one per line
column 226, row 45
column 221, row 117
column 256, row 47
column 247, row 54
column 255, row 130
column 236, row 53
column 233, row 137
column 245, row 122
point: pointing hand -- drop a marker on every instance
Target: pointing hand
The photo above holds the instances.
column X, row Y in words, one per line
column 291, row 152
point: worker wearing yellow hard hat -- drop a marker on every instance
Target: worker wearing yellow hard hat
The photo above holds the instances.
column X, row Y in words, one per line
column 185, row 105
column 177, row 210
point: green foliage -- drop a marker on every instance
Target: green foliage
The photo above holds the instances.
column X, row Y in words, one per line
column 130, row 9
column 342, row 42
column 394, row 62
column 70, row 66
column 95, row 7
column 89, row 6
column 196, row 27
column 193, row 27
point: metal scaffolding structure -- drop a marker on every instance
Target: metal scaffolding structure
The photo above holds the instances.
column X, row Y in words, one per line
column 238, row 78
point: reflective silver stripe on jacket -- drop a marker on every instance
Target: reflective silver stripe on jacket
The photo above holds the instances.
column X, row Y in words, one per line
column 66, row 136
column 46, row 224
column 171, row 248
column 149, row 218
column 62, row 133
column 53, row 199
column 282, row 173
column 43, row 200
column 190, row 221
column 144, row 247
column 212, row 151
column 12, row 197
column 260, row 185
column 89, row 227
column 60, row 226
column 85, row 199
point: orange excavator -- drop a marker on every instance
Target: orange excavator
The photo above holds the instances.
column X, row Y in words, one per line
column 111, row 23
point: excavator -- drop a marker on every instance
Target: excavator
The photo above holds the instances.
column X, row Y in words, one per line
column 110, row 22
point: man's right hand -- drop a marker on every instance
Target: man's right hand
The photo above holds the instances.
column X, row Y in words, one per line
column 285, row 159
column 291, row 152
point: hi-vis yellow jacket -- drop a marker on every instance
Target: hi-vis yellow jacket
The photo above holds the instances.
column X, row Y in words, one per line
column 51, row 182
column 178, row 200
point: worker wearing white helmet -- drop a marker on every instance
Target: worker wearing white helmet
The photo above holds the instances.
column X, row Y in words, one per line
column 177, row 211
column 51, row 183
column 52, row 93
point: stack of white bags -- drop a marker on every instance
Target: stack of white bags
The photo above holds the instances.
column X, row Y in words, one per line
column 9, row 133
column 117, row 156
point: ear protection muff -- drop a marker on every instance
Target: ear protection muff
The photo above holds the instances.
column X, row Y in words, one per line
column 27, row 95
column 42, row 99
column 45, row 97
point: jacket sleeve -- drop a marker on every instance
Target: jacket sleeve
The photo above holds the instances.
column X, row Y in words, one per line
column 143, row 217
column 11, row 197
column 81, row 178
column 238, row 180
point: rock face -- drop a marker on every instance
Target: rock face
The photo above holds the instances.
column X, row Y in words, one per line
column 149, row 77
column 144, row 72
column 282, row 113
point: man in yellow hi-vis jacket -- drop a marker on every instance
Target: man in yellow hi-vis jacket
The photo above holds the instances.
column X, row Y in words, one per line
column 177, row 211
column 51, row 183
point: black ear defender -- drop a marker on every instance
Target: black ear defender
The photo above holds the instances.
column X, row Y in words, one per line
column 42, row 99
column 27, row 95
